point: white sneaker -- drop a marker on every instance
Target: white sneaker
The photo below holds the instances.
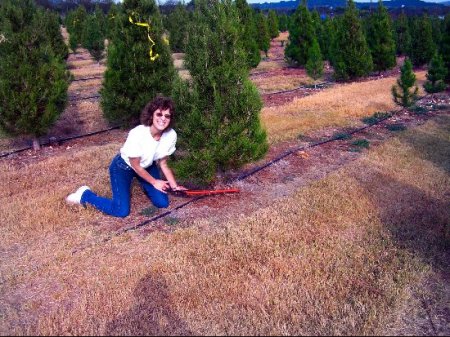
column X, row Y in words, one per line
column 75, row 198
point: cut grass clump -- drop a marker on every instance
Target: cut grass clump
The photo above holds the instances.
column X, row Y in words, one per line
column 342, row 136
column 376, row 117
column 149, row 211
column 171, row 221
column 359, row 144
column 396, row 127
column 418, row 110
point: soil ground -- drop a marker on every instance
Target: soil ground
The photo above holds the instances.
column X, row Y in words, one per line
column 304, row 164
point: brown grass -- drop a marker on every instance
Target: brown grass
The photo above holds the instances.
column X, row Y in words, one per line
column 341, row 105
column 281, row 82
column 335, row 258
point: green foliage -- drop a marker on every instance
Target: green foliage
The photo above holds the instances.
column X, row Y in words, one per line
column 75, row 21
column 445, row 46
column 418, row 110
column 93, row 38
column 422, row 46
column 177, row 24
column 362, row 143
column 262, row 32
column 380, row 39
column 402, row 35
column 351, row 56
column 149, row 211
column 325, row 37
column 342, row 136
column 314, row 66
column 301, row 36
column 272, row 21
column 218, row 110
column 249, row 33
column 283, row 22
column 33, row 76
column 402, row 91
column 132, row 79
column 52, row 31
column 436, row 75
column 376, row 117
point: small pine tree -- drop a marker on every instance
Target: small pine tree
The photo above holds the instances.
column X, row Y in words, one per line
column 422, row 47
column 402, row 91
column 380, row 39
column 93, row 39
column 301, row 35
column 402, row 35
column 436, row 75
column 263, row 36
column 351, row 57
column 445, row 46
column 249, row 33
column 177, row 24
column 218, row 110
column 272, row 21
column 132, row 78
column 283, row 21
column 33, row 77
column 314, row 66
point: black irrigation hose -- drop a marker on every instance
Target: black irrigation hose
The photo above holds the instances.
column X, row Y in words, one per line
column 87, row 78
column 295, row 89
column 62, row 140
column 83, row 98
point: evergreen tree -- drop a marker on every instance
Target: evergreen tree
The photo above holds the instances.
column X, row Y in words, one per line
column 75, row 27
column 380, row 39
column 136, row 70
column 326, row 38
column 110, row 24
column 402, row 91
column 218, row 110
column 249, row 33
column 445, row 46
column 33, row 77
column 301, row 35
column 93, row 39
column 177, row 25
column 262, row 37
column 436, row 75
column 422, row 46
column 53, row 33
column 351, row 56
column 402, row 35
column 314, row 66
column 272, row 22
column 283, row 21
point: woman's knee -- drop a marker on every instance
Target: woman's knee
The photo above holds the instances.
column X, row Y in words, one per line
column 122, row 212
column 161, row 202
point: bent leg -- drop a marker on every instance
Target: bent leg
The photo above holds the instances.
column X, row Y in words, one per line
column 121, row 176
column 158, row 198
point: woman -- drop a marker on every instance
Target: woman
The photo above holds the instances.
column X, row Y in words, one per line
column 146, row 146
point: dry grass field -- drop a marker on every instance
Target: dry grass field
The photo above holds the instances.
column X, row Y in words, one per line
column 340, row 106
column 337, row 257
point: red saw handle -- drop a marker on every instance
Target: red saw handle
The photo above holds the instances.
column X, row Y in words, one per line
column 208, row 192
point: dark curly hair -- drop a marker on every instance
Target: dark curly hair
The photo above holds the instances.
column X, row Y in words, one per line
column 162, row 103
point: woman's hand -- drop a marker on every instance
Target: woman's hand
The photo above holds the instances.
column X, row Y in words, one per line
column 161, row 185
column 179, row 188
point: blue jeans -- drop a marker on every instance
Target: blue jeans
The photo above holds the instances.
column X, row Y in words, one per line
column 121, row 175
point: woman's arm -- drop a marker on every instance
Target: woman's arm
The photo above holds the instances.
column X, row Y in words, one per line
column 160, row 185
column 169, row 175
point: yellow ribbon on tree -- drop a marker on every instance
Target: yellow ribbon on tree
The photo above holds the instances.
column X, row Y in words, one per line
column 152, row 43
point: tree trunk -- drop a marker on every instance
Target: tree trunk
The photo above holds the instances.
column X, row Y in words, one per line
column 36, row 145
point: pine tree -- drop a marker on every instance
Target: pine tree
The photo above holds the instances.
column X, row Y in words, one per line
column 218, row 110
column 136, row 70
column 402, row 91
column 402, row 35
column 422, row 47
column 53, row 32
column 33, row 77
column 262, row 37
column 272, row 21
column 75, row 26
column 283, row 21
column 93, row 39
column 249, row 33
column 301, row 35
column 351, row 57
column 445, row 46
column 380, row 39
column 436, row 75
column 326, row 38
column 314, row 66
column 177, row 25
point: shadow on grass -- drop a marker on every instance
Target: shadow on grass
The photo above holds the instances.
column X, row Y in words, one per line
column 152, row 314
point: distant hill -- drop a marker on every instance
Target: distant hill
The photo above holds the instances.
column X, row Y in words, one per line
column 393, row 4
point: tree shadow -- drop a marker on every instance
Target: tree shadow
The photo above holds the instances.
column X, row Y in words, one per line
column 152, row 314
column 417, row 221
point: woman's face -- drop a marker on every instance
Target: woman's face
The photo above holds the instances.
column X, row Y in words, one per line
column 161, row 119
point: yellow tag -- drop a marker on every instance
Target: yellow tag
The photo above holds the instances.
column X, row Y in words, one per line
column 152, row 43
